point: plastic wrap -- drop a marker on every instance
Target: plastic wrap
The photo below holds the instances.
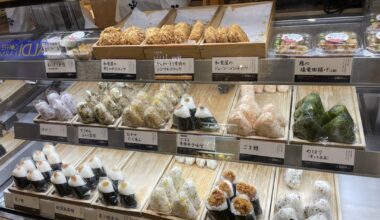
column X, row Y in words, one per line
column 373, row 40
column 153, row 119
column 86, row 113
column 338, row 43
column 43, row 108
column 69, row 102
column 103, row 115
column 374, row 21
column 52, row 95
column 62, row 112
column 111, row 106
column 132, row 118
column 292, row 44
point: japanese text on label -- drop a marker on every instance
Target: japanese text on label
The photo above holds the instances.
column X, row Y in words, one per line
column 104, row 215
column 242, row 65
column 174, row 66
column 69, row 210
column 331, row 155
column 323, row 66
column 140, row 137
column 118, row 66
column 53, row 130
column 199, row 142
column 93, row 133
column 262, row 148
column 60, row 66
column 26, row 201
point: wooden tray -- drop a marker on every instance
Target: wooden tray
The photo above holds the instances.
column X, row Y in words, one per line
column 123, row 51
column 77, row 90
column 305, row 191
column 243, row 49
column 110, row 158
column 330, row 96
column 281, row 100
column 153, row 51
column 10, row 87
column 219, row 104
column 262, row 177
column 143, row 170
column 69, row 154
column 203, row 178
column 11, row 145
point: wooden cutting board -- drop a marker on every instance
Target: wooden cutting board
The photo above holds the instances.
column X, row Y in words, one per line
column 142, row 171
column 306, row 188
column 262, row 177
column 203, row 179
column 330, row 96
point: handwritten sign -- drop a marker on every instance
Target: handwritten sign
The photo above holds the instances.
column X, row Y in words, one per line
column 143, row 140
column 262, row 151
column 93, row 135
column 53, row 132
column 174, row 66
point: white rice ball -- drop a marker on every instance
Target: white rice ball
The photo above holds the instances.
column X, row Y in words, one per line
column 319, row 216
column 321, row 190
column 286, row 214
column 293, row 178
column 319, row 206
column 291, row 200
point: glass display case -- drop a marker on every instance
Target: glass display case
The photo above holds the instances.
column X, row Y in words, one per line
column 189, row 110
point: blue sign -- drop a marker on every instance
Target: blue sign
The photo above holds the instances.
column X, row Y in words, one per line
column 21, row 50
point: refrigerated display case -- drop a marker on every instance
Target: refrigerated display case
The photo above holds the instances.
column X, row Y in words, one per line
column 192, row 113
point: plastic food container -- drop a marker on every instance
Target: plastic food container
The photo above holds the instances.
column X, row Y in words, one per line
column 51, row 46
column 292, row 44
column 337, row 43
column 373, row 40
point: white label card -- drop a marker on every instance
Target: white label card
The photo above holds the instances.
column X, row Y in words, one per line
column 69, row 210
column 93, row 133
column 118, row 66
column 26, row 201
column 60, row 66
column 105, row 215
column 332, row 155
column 262, row 148
column 242, row 65
column 200, row 142
column 141, row 137
column 55, row 130
column 323, row 66
column 174, row 66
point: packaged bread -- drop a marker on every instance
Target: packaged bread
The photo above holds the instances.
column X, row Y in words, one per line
column 181, row 32
column 237, row 34
column 197, row 31
column 153, row 35
column 133, row 36
column 210, row 35
column 110, row 36
column 222, row 35
column 167, row 34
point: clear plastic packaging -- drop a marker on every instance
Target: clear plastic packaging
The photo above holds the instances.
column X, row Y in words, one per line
column 62, row 113
column 43, row 108
column 373, row 40
column 85, row 112
column 292, row 44
column 374, row 21
column 338, row 43
column 69, row 102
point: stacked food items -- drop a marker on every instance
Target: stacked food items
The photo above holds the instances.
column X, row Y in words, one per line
column 188, row 117
column 373, row 34
column 290, row 205
column 153, row 112
column 176, row 196
column 115, row 190
column 338, row 43
column 200, row 162
column 231, row 199
column 106, row 104
column 232, row 34
column 179, row 33
column 247, row 119
column 292, row 44
column 312, row 123
column 59, row 107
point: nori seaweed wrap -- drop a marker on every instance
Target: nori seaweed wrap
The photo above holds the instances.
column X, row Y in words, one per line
column 242, row 208
column 60, row 184
column 217, row 207
column 251, row 192
column 20, row 177
column 341, row 129
column 38, row 181
column 107, row 192
column 79, row 187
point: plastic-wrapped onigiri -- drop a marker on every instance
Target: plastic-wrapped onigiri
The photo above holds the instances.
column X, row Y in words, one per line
column 293, row 178
column 200, row 162
column 319, row 216
column 168, row 185
column 176, row 174
column 292, row 200
column 191, row 192
column 212, row 164
column 319, row 206
column 286, row 214
column 159, row 201
column 189, row 160
column 182, row 207
column 321, row 190
column 180, row 159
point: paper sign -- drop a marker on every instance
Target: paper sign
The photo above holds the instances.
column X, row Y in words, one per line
column 174, row 66
column 323, row 66
column 60, row 66
column 262, row 148
column 54, row 130
column 93, row 133
column 69, row 210
column 105, row 215
column 239, row 65
column 198, row 142
column 330, row 155
column 118, row 66
column 26, row 201
column 140, row 137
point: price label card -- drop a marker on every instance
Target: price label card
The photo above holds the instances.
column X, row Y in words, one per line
column 323, row 69
column 262, row 151
column 93, row 135
column 143, row 140
column 174, row 66
column 118, row 69
column 193, row 144
column 330, row 158
column 53, row 132
column 64, row 68
column 105, row 215
column 64, row 209
column 26, row 201
column 235, row 68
